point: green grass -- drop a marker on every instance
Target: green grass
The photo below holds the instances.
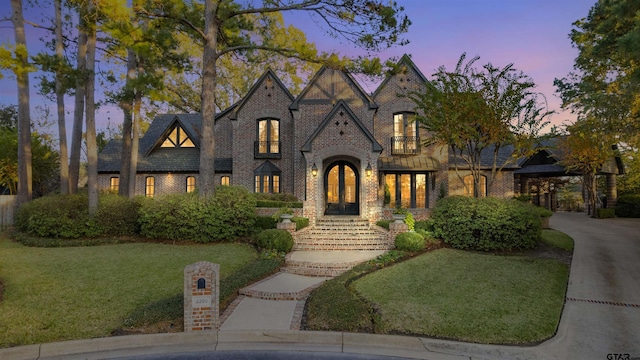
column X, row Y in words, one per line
column 53, row 294
column 468, row 296
column 557, row 239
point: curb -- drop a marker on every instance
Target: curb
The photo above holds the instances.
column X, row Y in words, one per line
column 333, row 342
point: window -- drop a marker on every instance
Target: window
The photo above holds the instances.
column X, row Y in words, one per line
column 469, row 186
column 114, row 184
column 191, row 184
column 225, row 180
column 405, row 140
column 268, row 143
column 408, row 190
column 177, row 138
column 267, row 178
column 149, row 186
column 267, row 183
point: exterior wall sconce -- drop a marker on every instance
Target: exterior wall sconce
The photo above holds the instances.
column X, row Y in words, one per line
column 314, row 170
column 368, row 170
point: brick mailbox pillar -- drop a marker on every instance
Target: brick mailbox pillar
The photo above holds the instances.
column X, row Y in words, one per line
column 201, row 296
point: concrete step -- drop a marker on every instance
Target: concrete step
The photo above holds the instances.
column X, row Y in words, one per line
column 329, row 263
column 283, row 286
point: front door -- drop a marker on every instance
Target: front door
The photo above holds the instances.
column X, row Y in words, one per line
column 341, row 189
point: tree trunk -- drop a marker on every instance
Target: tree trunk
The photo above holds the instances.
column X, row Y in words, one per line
column 207, row 142
column 135, row 142
column 92, row 147
column 24, row 118
column 125, row 164
column 62, row 128
column 78, row 113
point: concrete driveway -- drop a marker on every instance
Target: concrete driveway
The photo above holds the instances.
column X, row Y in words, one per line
column 602, row 311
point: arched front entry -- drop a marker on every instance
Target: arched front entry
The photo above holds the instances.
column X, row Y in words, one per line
column 341, row 189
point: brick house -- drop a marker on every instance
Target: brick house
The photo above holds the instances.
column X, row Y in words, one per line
column 338, row 149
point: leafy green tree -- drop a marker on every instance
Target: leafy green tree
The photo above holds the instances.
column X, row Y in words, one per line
column 606, row 81
column 474, row 111
column 585, row 149
column 630, row 182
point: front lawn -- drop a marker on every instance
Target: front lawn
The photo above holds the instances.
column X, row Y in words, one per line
column 468, row 296
column 53, row 294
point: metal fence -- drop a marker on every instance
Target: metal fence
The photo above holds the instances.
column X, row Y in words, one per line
column 7, row 210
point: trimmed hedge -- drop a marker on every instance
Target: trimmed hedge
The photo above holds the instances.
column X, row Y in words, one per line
column 117, row 215
column 278, row 204
column 486, row 224
column 628, row 206
column 275, row 239
column 410, row 241
column 57, row 216
column 227, row 215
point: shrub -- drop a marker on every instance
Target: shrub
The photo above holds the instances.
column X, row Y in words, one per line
column 58, row 216
column 410, row 241
column 384, row 223
column 605, row 213
column 628, row 206
column 486, row 224
column 429, row 237
column 278, row 204
column 426, row 225
column 227, row 215
column 117, row 215
column 275, row 239
column 301, row 222
column 265, row 222
column 410, row 221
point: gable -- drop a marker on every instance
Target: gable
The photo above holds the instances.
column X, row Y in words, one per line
column 407, row 77
column 344, row 123
column 328, row 86
column 269, row 81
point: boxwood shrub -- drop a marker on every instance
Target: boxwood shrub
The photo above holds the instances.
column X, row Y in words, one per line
column 486, row 224
column 275, row 239
column 409, row 241
column 57, row 216
column 628, row 206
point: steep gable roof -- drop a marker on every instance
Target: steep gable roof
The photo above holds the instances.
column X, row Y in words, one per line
column 348, row 78
column 405, row 61
column 341, row 105
column 267, row 74
column 163, row 124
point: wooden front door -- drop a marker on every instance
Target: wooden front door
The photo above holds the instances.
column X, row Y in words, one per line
column 341, row 189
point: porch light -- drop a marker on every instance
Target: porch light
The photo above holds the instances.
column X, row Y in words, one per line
column 314, row 170
column 368, row 170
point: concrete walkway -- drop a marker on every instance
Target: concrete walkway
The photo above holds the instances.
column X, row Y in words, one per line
column 601, row 316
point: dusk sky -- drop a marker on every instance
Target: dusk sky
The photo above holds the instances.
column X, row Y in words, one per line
column 531, row 34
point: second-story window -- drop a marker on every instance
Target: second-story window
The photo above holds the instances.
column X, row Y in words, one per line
column 268, row 143
column 405, row 139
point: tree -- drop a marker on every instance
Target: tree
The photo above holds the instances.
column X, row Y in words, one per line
column 585, row 150
column 238, row 71
column 21, row 69
column 606, row 83
column 44, row 160
column 370, row 24
column 474, row 112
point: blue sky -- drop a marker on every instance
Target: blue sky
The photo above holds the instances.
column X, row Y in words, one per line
column 531, row 34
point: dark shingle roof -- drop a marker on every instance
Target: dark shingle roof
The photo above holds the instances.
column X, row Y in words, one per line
column 152, row 158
